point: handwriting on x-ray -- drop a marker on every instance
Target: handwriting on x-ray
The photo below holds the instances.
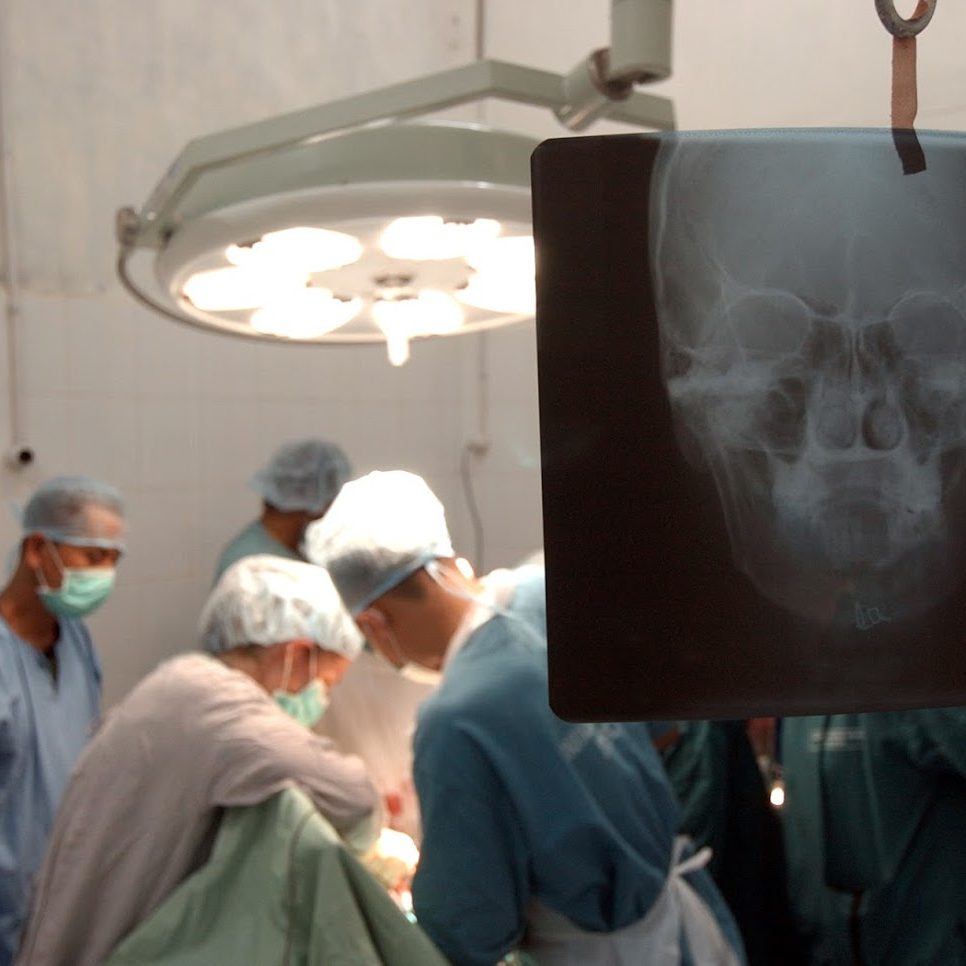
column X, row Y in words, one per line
column 867, row 617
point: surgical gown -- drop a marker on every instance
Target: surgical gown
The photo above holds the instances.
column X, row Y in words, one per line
column 253, row 540
column 724, row 805
column 142, row 807
column 518, row 806
column 373, row 710
column 44, row 725
column 875, row 825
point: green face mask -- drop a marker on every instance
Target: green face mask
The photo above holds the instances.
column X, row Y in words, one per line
column 82, row 589
column 308, row 705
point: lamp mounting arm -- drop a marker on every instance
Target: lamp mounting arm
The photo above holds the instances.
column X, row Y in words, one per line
column 639, row 53
column 423, row 95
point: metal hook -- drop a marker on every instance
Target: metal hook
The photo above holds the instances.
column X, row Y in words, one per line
column 899, row 26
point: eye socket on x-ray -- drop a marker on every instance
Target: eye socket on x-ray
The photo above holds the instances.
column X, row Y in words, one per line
column 766, row 325
column 928, row 325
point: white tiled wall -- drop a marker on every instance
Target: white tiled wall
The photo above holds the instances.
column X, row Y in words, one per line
column 100, row 96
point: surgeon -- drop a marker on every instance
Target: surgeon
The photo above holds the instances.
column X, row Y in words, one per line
column 552, row 838
column 724, row 805
column 296, row 486
column 875, row 830
column 202, row 733
column 373, row 712
column 50, row 677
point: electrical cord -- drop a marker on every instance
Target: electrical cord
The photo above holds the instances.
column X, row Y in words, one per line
column 466, row 475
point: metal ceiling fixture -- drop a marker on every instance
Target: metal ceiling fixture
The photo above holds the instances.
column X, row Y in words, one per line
column 359, row 222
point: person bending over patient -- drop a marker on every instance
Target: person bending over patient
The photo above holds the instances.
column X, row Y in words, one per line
column 201, row 733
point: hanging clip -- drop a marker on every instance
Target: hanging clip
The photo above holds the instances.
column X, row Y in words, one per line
column 905, row 102
column 899, row 26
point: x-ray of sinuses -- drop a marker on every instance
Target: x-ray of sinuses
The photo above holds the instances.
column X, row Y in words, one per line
column 816, row 364
column 752, row 351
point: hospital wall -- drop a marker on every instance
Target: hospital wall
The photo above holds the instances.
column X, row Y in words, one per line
column 99, row 97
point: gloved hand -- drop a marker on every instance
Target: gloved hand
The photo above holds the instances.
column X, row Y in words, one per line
column 392, row 859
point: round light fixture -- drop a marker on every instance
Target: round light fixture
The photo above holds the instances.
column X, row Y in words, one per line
column 385, row 234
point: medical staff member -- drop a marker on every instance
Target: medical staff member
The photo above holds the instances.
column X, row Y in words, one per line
column 875, row 832
column 50, row 677
column 554, row 838
column 724, row 805
column 201, row 733
column 296, row 486
column 373, row 712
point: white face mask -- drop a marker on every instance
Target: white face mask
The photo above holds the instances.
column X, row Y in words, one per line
column 418, row 674
column 410, row 670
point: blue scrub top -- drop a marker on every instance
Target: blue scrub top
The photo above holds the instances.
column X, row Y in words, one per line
column 250, row 542
column 43, row 729
column 517, row 804
column 875, row 806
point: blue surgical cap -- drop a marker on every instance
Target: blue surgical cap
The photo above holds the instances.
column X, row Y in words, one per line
column 267, row 600
column 381, row 528
column 305, row 475
column 59, row 510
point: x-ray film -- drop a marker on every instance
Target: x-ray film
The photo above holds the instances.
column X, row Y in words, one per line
column 752, row 375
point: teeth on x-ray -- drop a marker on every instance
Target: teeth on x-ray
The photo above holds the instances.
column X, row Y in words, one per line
column 815, row 358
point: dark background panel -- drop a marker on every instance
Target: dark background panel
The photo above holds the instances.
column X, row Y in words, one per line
column 647, row 615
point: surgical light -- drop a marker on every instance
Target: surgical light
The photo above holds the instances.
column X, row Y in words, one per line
column 288, row 228
column 503, row 276
column 229, row 289
column 305, row 249
column 429, row 237
column 306, row 313
column 405, row 317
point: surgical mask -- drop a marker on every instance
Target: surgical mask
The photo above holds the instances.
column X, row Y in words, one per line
column 82, row 589
column 410, row 670
column 419, row 674
column 307, row 705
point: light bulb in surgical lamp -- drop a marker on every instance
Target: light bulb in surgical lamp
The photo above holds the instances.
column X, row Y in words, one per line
column 430, row 313
column 504, row 276
column 401, row 319
column 229, row 289
column 304, row 314
column 301, row 249
column 431, row 238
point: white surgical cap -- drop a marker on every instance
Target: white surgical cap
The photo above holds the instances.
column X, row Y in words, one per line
column 58, row 510
column 305, row 475
column 381, row 528
column 267, row 600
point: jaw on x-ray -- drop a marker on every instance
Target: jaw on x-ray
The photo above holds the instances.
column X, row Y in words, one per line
column 813, row 347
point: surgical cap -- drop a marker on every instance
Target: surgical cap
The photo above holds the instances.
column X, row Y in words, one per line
column 304, row 475
column 268, row 600
column 58, row 510
column 381, row 528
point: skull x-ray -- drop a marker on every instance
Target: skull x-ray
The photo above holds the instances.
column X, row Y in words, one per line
column 752, row 351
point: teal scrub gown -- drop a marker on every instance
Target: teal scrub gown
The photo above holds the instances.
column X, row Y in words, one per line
column 517, row 804
column 250, row 542
column 875, row 828
column 44, row 726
